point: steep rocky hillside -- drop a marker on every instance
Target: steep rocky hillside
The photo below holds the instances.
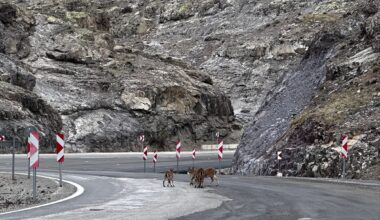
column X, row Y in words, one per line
column 335, row 90
column 296, row 73
column 105, row 92
column 19, row 106
column 94, row 58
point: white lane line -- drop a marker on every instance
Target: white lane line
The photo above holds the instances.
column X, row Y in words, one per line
column 79, row 191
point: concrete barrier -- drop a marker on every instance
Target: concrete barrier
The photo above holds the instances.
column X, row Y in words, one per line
column 215, row 147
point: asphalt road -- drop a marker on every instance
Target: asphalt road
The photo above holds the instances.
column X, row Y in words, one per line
column 250, row 197
column 123, row 162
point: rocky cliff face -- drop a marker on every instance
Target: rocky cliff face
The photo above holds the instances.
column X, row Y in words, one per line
column 102, row 57
column 106, row 89
column 178, row 68
column 19, row 107
column 333, row 91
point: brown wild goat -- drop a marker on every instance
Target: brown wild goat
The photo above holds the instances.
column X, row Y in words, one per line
column 209, row 172
column 199, row 175
column 169, row 176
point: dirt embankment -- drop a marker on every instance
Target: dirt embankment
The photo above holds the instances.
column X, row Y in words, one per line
column 18, row 194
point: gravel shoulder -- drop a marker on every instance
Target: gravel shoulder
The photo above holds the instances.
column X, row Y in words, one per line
column 18, row 194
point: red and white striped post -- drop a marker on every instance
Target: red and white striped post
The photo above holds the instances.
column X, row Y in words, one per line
column 193, row 156
column 141, row 139
column 279, row 158
column 28, row 154
column 178, row 153
column 34, row 158
column 344, row 152
column 145, row 156
column 154, row 160
column 220, row 148
column 59, row 147
column 220, row 153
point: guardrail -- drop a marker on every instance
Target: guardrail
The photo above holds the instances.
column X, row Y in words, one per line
column 215, row 147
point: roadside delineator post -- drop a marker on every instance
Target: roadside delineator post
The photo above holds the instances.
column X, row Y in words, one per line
column 154, row 160
column 145, row 156
column 178, row 153
column 279, row 158
column 13, row 152
column 193, row 156
column 141, row 139
column 220, row 153
column 34, row 160
column 60, row 154
column 344, row 152
column 28, row 154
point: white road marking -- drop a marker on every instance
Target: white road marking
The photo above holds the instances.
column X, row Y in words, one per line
column 79, row 192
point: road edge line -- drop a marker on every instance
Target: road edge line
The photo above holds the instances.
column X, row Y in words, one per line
column 331, row 181
column 80, row 190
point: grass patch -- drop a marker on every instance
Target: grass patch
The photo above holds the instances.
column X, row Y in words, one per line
column 327, row 18
column 337, row 107
column 142, row 28
column 183, row 9
column 54, row 20
column 75, row 15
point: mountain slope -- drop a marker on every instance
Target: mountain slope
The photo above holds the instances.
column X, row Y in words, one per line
column 347, row 102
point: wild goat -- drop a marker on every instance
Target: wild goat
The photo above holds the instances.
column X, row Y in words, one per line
column 209, row 172
column 169, row 176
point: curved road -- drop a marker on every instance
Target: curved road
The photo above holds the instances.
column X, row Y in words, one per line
column 110, row 189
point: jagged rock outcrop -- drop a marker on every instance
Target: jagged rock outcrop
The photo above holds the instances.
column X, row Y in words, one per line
column 177, row 68
column 346, row 101
column 19, row 107
column 106, row 89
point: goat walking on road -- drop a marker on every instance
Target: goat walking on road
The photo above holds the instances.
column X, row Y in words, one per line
column 169, row 177
column 199, row 175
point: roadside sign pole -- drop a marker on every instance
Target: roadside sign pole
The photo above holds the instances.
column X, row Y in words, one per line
column 142, row 147
column 145, row 156
column 220, row 167
column 144, row 166
column 155, row 156
column 178, row 152
column 60, row 150
column 28, row 168
column 34, row 183
column 259, row 168
column 279, row 158
column 193, row 156
column 60, row 174
column 13, row 154
column 344, row 152
column 344, row 168
column 219, row 144
column 27, row 150
column 34, row 158
column 141, row 140
column 220, row 152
